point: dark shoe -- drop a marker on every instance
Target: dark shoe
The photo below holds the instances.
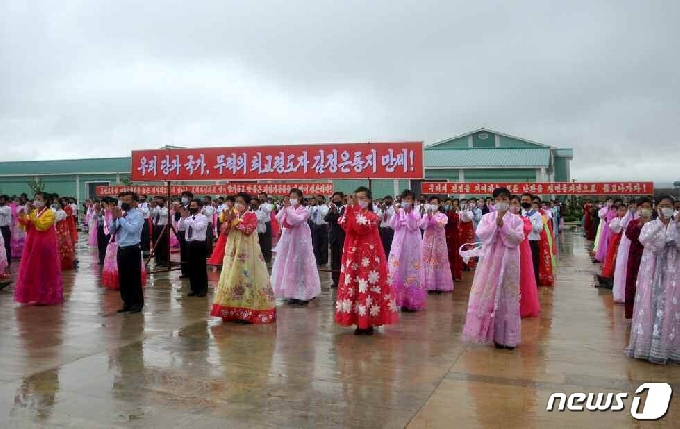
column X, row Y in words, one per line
column 369, row 331
column 431, row 292
column 182, row 276
column 407, row 310
column 302, row 303
column 498, row 346
column 191, row 294
column 293, row 302
column 123, row 310
column 201, row 295
column 358, row 331
column 134, row 310
column 509, row 348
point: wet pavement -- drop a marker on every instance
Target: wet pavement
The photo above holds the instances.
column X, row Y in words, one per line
column 82, row 365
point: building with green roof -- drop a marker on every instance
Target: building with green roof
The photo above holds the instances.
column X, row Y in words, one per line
column 482, row 155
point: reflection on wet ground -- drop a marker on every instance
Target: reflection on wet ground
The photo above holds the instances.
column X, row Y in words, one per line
column 82, row 365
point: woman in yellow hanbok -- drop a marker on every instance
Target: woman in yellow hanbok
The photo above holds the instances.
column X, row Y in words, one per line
column 244, row 293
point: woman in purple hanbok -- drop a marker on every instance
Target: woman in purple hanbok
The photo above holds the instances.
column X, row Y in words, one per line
column 404, row 261
column 436, row 269
column 294, row 273
column 493, row 312
column 655, row 330
column 607, row 214
column 620, row 269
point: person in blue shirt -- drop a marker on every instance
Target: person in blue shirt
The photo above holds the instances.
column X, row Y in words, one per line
column 128, row 223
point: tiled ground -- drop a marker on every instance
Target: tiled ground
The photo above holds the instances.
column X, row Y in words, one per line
column 81, row 365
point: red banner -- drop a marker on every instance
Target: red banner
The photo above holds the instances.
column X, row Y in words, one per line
column 310, row 162
column 224, row 190
column 541, row 188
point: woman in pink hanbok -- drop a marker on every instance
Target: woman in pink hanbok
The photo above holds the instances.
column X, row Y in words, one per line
column 18, row 234
column 655, row 330
column 405, row 256
column 294, row 273
column 493, row 312
column 529, row 305
column 621, row 266
column 607, row 214
column 436, row 268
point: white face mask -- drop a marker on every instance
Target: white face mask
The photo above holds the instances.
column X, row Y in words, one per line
column 185, row 200
column 502, row 207
column 363, row 204
column 293, row 201
column 406, row 205
column 645, row 213
column 120, row 203
column 514, row 209
column 39, row 203
column 666, row 212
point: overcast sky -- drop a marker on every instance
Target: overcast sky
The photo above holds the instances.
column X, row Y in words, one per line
column 99, row 78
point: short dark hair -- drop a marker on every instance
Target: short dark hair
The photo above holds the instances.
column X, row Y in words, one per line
column 4, row 197
column 641, row 200
column 408, row 193
column 198, row 202
column 364, row 189
column 188, row 194
column 207, row 197
column 246, row 197
column 296, row 191
column 434, row 197
column 231, row 198
column 388, row 197
column 134, row 195
column 498, row 192
column 528, row 194
column 665, row 197
column 515, row 197
column 537, row 199
column 161, row 197
column 339, row 193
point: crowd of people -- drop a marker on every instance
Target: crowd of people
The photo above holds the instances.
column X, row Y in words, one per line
column 385, row 255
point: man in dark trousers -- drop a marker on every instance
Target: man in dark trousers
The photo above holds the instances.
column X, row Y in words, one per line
column 266, row 238
column 181, row 234
column 336, row 235
column 127, row 226
column 103, row 229
column 5, row 227
column 161, row 232
column 317, row 219
column 195, row 226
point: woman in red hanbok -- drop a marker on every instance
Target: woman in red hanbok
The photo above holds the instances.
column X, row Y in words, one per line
column 39, row 281
column 529, row 305
column 453, row 240
column 67, row 255
column 587, row 218
column 545, row 266
column 365, row 299
column 633, row 231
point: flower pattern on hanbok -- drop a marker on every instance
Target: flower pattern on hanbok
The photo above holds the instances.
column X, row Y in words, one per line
column 404, row 261
column 244, row 291
column 529, row 303
column 364, row 297
column 493, row 312
column 294, row 273
column 67, row 255
column 435, row 266
column 655, row 329
column 545, row 267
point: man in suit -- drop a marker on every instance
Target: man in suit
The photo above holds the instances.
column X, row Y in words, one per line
column 336, row 235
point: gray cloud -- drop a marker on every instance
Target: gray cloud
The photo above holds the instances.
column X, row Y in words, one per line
column 89, row 78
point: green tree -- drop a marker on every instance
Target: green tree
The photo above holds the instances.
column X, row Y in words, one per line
column 37, row 185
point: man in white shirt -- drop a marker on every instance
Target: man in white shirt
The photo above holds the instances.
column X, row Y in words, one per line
column 530, row 211
column 262, row 218
column 209, row 211
column 161, row 233
column 185, row 200
column 5, row 227
column 266, row 239
column 143, row 207
column 385, row 213
column 195, row 224
column 318, row 211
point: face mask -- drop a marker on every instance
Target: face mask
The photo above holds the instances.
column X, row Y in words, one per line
column 407, row 205
column 39, row 203
column 185, row 200
column 502, row 207
column 526, row 206
column 337, row 203
column 363, row 204
column 463, row 206
column 645, row 213
column 426, row 207
column 125, row 206
column 293, row 201
column 193, row 210
column 447, row 207
column 472, row 206
column 120, row 203
column 666, row 212
column 514, row 209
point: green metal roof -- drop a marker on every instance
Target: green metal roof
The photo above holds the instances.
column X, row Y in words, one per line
column 496, row 157
column 65, row 166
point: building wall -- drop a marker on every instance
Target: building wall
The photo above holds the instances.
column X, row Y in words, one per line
column 510, row 143
column 487, row 143
column 562, row 170
column 449, row 174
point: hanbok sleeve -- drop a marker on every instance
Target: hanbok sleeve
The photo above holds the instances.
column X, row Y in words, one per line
column 248, row 224
column 43, row 222
column 395, row 221
column 60, row 216
column 603, row 212
column 466, row 216
column 633, row 231
column 362, row 223
column 626, row 219
column 295, row 217
column 280, row 215
column 439, row 220
column 486, row 230
column 512, row 231
column 616, row 225
column 425, row 221
column 653, row 236
column 413, row 221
